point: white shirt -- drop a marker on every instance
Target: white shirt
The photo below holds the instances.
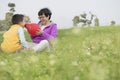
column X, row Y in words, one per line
column 22, row 37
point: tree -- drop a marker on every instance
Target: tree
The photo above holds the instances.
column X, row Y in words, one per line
column 11, row 12
column 5, row 24
column 11, row 5
column 84, row 15
column 75, row 20
column 96, row 21
column 85, row 20
column 113, row 23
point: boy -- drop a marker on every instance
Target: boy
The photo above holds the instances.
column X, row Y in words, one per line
column 14, row 39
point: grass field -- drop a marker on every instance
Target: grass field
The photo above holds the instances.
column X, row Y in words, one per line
column 91, row 53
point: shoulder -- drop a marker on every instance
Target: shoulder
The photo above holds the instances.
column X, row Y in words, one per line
column 53, row 24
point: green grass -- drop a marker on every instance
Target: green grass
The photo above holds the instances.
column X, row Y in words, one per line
column 91, row 53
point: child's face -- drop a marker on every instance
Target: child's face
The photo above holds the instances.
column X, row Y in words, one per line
column 23, row 22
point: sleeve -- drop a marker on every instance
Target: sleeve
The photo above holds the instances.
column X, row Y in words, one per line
column 53, row 32
column 22, row 37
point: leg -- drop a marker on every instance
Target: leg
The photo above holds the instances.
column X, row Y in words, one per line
column 43, row 45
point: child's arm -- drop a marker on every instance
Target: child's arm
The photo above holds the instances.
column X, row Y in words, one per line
column 22, row 37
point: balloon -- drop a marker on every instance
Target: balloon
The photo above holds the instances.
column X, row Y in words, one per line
column 32, row 28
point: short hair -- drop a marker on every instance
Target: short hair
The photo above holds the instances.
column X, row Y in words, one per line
column 46, row 12
column 17, row 18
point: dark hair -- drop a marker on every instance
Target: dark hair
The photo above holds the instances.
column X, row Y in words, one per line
column 46, row 12
column 17, row 18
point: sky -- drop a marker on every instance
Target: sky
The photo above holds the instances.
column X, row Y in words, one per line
column 63, row 11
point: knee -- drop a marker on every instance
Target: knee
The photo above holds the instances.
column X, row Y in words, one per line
column 45, row 42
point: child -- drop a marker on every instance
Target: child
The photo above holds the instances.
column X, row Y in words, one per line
column 14, row 39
